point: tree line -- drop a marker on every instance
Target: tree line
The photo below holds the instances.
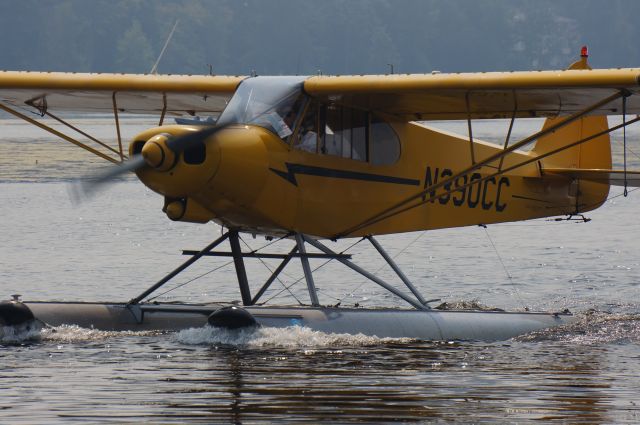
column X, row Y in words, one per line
column 308, row 36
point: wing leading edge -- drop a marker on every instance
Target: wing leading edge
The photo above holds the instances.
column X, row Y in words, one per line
column 134, row 93
column 406, row 97
column 481, row 95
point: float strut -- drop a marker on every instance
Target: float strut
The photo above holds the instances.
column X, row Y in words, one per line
column 174, row 273
column 241, row 272
column 274, row 275
column 368, row 275
column 313, row 295
column 396, row 269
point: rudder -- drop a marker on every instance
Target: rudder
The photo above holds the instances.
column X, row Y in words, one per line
column 594, row 154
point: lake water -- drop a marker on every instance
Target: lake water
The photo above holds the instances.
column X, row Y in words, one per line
column 114, row 245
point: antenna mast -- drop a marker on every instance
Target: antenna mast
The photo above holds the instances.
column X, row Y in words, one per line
column 166, row 43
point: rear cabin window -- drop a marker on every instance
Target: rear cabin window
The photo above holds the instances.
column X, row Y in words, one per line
column 385, row 147
column 348, row 133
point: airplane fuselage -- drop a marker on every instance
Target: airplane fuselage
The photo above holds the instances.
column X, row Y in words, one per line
column 253, row 180
column 279, row 161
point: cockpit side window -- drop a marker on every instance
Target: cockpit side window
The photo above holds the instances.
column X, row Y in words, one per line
column 334, row 130
column 292, row 114
column 282, row 118
column 357, row 123
column 306, row 138
column 348, row 133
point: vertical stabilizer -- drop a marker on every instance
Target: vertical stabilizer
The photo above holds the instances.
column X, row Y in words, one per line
column 594, row 154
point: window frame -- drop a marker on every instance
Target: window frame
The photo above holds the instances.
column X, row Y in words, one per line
column 344, row 113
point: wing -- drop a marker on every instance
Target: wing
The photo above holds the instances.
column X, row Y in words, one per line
column 133, row 93
column 481, row 95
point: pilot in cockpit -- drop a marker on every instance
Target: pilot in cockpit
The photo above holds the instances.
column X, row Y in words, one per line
column 290, row 118
column 308, row 132
column 308, row 135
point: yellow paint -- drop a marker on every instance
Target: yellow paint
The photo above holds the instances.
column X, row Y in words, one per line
column 244, row 191
column 594, row 154
column 72, row 81
column 408, row 97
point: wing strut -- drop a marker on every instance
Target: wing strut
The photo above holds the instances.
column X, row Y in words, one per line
column 397, row 208
column 164, row 109
column 473, row 156
column 513, row 119
column 115, row 114
column 57, row 133
column 88, row 136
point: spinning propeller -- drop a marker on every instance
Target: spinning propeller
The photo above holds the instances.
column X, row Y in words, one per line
column 159, row 152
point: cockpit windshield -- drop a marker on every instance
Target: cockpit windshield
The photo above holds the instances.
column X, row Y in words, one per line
column 270, row 102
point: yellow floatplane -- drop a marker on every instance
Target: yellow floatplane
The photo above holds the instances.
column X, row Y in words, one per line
column 331, row 157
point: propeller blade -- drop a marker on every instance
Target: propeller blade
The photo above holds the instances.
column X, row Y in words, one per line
column 92, row 184
column 181, row 143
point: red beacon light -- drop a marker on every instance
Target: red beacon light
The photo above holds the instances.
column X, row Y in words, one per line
column 584, row 52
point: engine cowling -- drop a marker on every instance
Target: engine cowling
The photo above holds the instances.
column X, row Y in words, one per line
column 176, row 175
column 217, row 177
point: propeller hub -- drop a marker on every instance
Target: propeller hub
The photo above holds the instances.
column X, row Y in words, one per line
column 157, row 154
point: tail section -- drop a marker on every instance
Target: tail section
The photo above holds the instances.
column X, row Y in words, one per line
column 592, row 155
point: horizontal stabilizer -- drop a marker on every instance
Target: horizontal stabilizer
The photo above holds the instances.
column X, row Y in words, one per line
column 612, row 177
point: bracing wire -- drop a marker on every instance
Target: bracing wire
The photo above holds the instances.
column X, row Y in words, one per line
column 614, row 197
column 180, row 285
column 624, row 142
column 191, row 280
column 315, row 269
column 504, row 267
column 269, row 268
column 383, row 265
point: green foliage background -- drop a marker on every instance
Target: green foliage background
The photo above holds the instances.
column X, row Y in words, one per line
column 311, row 36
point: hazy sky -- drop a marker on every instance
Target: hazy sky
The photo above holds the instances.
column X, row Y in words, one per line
column 310, row 36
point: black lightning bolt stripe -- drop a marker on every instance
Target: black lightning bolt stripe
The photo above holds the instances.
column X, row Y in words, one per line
column 293, row 169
